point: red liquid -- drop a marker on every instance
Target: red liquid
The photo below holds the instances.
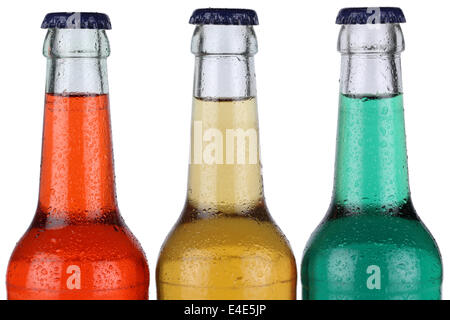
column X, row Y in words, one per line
column 78, row 246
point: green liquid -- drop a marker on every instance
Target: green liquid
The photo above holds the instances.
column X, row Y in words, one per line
column 371, row 257
column 371, row 161
column 371, row 245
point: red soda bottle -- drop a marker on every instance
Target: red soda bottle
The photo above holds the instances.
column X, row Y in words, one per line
column 78, row 246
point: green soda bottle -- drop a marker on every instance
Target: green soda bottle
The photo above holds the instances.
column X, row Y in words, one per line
column 371, row 244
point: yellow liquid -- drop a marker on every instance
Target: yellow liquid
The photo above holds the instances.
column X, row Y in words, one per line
column 225, row 245
column 219, row 185
column 226, row 258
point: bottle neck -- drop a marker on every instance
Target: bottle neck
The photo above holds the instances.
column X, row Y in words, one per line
column 370, row 62
column 77, row 172
column 76, row 61
column 371, row 74
column 225, row 169
column 371, row 161
column 224, row 68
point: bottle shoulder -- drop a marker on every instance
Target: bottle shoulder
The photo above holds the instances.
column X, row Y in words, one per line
column 253, row 233
column 89, row 241
column 379, row 233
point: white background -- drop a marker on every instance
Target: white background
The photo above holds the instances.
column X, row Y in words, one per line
column 151, row 73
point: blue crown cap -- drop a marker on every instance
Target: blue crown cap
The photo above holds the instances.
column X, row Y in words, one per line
column 76, row 20
column 370, row 15
column 224, row 16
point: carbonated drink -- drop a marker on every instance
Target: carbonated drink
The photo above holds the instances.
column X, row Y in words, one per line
column 78, row 246
column 225, row 244
column 371, row 244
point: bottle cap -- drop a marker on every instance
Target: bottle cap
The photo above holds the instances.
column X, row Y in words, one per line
column 76, row 20
column 222, row 16
column 370, row 15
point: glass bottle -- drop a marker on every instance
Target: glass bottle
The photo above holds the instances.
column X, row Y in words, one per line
column 371, row 244
column 78, row 246
column 225, row 244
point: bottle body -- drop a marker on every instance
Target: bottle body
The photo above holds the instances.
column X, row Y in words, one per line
column 78, row 246
column 225, row 245
column 371, row 244
column 368, row 251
